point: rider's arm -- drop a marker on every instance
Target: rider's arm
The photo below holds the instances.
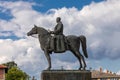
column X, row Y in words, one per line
column 58, row 29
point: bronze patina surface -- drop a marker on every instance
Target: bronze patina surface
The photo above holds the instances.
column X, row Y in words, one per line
column 60, row 43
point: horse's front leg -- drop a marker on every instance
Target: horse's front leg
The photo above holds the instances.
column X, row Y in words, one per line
column 48, row 59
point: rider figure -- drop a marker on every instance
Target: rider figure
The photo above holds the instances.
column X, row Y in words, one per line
column 57, row 42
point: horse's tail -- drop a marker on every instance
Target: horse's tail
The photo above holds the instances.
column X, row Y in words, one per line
column 84, row 47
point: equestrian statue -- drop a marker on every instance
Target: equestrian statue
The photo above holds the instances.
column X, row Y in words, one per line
column 55, row 41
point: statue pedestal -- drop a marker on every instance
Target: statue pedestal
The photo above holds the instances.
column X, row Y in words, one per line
column 66, row 75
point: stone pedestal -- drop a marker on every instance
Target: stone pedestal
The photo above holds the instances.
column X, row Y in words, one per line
column 66, row 75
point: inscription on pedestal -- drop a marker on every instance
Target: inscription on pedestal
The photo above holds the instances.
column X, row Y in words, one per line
column 65, row 75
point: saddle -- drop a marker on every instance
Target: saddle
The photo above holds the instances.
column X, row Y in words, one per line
column 58, row 43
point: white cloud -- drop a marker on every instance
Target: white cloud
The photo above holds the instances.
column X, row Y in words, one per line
column 118, row 72
column 3, row 59
column 65, row 65
column 25, row 52
column 99, row 22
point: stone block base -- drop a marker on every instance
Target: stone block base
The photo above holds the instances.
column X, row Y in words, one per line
column 66, row 75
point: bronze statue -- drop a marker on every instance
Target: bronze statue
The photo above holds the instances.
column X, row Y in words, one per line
column 70, row 42
column 58, row 40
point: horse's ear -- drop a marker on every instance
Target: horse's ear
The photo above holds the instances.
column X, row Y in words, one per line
column 35, row 25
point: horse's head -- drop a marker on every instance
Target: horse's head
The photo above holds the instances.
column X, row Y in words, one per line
column 38, row 30
column 32, row 31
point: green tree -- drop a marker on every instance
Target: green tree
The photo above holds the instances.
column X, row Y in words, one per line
column 15, row 74
column 10, row 64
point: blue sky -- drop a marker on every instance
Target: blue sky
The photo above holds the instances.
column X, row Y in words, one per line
column 98, row 20
column 47, row 4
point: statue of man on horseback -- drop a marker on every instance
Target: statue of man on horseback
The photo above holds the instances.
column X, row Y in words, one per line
column 58, row 41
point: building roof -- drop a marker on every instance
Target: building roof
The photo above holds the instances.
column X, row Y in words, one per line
column 3, row 67
column 99, row 74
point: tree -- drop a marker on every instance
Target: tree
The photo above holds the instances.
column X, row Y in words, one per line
column 10, row 64
column 14, row 73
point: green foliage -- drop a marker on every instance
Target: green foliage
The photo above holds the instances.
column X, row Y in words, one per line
column 14, row 73
column 10, row 64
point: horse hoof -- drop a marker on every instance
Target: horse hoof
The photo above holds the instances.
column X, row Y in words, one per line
column 48, row 68
column 84, row 68
column 80, row 69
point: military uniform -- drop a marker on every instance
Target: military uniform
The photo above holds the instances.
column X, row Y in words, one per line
column 58, row 40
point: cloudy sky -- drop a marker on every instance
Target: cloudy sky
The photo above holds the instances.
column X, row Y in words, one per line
column 98, row 20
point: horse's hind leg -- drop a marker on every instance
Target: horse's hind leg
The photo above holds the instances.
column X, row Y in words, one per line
column 83, row 62
column 80, row 58
column 77, row 54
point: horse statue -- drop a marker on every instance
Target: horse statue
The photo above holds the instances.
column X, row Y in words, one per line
column 73, row 45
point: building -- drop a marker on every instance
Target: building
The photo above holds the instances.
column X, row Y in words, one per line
column 3, row 70
column 100, row 75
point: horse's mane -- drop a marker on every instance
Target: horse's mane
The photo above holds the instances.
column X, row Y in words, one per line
column 43, row 30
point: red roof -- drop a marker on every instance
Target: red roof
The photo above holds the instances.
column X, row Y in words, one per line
column 3, row 67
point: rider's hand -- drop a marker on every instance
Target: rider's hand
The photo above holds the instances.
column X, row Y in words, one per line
column 48, row 30
column 51, row 32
